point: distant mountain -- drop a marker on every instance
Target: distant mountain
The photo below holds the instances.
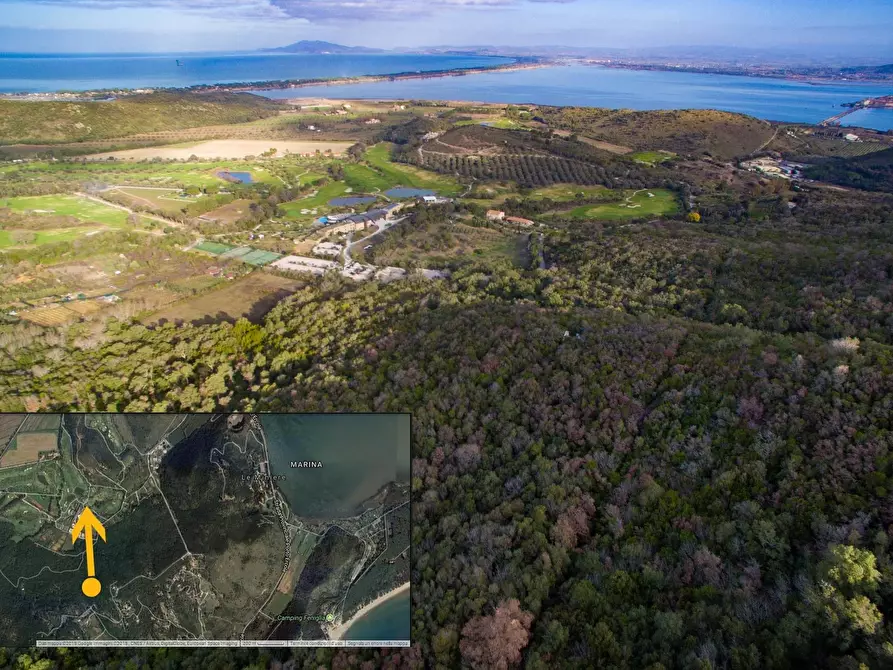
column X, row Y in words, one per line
column 878, row 69
column 318, row 47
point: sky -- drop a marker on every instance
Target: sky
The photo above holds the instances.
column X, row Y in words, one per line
column 858, row 27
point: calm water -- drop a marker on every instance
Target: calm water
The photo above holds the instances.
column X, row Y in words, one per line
column 347, row 201
column 772, row 99
column 406, row 192
column 360, row 453
column 388, row 621
column 243, row 177
column 42, row 73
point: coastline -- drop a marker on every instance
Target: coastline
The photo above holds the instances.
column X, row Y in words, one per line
column 337, row 631
column 815, row 79
column 99, row 95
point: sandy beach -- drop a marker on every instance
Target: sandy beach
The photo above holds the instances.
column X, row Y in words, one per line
column 336, row 632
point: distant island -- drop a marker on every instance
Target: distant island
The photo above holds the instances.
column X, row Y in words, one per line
column 320, row 47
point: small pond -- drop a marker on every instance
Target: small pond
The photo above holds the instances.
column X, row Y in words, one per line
column 404, row 192
column 349, row 201
column 239, row 177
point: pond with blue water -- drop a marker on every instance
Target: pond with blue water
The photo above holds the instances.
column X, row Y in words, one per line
column 241, row 177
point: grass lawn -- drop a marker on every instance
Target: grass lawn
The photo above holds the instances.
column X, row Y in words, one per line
column 165, row 201
column 634, row 206
column 45, row 236
column 363, row 179
column 379, row 157
column 309, row 177
column 68, row 205
column 502, row 123
column 651, row 157
column 331, row 190
column 562, row 192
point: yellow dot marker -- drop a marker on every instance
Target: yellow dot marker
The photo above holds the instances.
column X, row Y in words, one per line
column 87, row 523
column 91, row 587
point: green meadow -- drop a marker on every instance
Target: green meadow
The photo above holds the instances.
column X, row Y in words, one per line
column 634, row 206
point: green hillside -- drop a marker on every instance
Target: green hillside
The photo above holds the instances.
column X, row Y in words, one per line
column 55, row 122
column 723, row 135
column 873, row 172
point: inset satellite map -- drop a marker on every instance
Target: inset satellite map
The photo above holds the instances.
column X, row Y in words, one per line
column 196, row 527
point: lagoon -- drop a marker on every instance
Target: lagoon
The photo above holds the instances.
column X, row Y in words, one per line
column 36, row 73
column 360, row 453
column 593, row 86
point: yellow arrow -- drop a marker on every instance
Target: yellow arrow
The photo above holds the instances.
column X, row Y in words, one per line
column 87, row 523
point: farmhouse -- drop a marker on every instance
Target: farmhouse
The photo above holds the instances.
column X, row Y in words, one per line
column 431, row 199
column 519, row 220
column 850, row 137
column 495, row 215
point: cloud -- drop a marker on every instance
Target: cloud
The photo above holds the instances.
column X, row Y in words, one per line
column 311, row 10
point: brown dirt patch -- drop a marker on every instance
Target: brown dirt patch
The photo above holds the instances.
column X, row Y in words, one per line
column 27, row 448
column 227, row 149
column 251, row 297
column 229, row 213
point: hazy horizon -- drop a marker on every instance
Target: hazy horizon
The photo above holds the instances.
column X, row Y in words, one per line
column 810, row 28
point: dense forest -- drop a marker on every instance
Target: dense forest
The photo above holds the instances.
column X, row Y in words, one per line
column 634, row 490
column 873, row 172
column 668, row 446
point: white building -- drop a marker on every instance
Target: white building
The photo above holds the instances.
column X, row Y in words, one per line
column 850, row 137
column 328, row 249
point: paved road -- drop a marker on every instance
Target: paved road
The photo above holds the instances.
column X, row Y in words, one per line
column 380, row 228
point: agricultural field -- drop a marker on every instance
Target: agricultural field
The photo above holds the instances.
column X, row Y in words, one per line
column 651, row 157
column 635, row 205
column 251, row 297
column 63, row 293
column 28, row 447
column 723, row 135
column 228, row 214
column 224, row 149
column 9, row 425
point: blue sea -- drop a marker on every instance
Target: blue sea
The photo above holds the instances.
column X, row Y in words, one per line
column 593, row 86
column 389, row 621
column 28, row 73
column 771, row 99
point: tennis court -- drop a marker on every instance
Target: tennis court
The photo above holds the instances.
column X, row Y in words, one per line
column 238, row 252
column 258, row 257
column 213, row 247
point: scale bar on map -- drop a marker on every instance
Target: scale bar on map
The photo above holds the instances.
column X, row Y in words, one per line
column 42, row 644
